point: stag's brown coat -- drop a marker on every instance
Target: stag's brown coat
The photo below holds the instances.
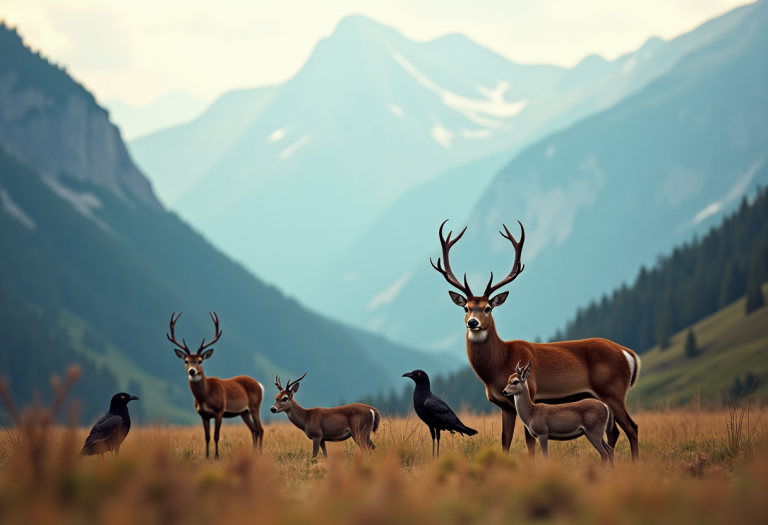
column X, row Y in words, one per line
column 561, row 371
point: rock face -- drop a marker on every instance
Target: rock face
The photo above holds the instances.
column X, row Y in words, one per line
column 54, row 125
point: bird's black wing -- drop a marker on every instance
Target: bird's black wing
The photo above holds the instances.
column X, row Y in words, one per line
column 103, row 430
column 443, row 412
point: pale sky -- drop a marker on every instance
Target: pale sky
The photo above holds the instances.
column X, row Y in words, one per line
column 139, row 50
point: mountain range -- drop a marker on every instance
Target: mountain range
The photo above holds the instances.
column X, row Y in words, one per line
column 355, row 162
column 93, row 260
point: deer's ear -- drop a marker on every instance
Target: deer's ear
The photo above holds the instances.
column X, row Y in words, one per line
column 294, row 388
column 499, row 299
column 207, row 354
column 180, row 354
column 457, row 298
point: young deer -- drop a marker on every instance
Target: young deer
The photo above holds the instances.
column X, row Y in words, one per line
column 219, row 398
column 355, row 421
column 588, row 417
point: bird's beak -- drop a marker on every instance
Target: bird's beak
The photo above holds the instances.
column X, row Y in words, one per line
column 133, row 398
column 407, row 374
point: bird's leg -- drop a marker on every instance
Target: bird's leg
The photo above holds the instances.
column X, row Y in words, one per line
column 216, row 429
column 207, row 428
column 437, row 431
column 432, row 431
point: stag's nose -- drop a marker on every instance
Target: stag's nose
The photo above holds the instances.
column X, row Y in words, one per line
column 192, row 371
column 473, row 323
column 273, row 410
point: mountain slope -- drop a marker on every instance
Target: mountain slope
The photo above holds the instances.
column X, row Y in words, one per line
column 104, row 267
column 607, row 193
column 371, row 116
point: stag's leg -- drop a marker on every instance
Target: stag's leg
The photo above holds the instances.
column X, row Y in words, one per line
column 259, row 428
column 621, row 417
column 322, row 446
column 508, row 416
column 609, row 450
column 207, row 428
column 249, row 422
column 315, row 447
column 613, row 435
column 437, row 431
column 216, row 430
column 432, row 431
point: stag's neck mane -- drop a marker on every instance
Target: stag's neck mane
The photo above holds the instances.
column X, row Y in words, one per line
column 487, row 357
column 297, row 415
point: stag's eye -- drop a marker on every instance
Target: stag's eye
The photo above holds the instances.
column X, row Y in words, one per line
column 487, row 309
column 186, row 362
column 515, row 382
column 466, row 309
column 285, row 398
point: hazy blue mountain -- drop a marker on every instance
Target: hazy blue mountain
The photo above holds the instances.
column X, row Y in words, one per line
column 370, row 119
column 92, row 258
column 169, row 110
column 606, row 194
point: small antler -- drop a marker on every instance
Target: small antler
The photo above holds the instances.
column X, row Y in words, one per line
column 277, row 384
column 291, row 383
column 447, row 244
column 517, row 268
column 218, row 333
column 172, row 336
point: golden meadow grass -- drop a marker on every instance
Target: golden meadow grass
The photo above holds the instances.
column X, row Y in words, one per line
column 691, row 471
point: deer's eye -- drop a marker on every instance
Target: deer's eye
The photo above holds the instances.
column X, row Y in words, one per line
column 186, row 362
column 487, row 309
column 466, row 309
column 285, row 398
column 515, row 382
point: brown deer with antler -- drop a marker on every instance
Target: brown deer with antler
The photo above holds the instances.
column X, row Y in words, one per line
column 219, row 398
column 355, row 421
column 561, row 371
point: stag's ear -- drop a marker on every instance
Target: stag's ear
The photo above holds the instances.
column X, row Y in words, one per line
column 294, row 388
column 457, row 298
column 498, row 300
column 180, row 354
column 205, row 355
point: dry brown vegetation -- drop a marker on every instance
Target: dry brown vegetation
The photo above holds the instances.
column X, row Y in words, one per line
column 697, row 466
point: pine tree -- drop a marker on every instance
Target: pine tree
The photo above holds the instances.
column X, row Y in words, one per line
column 755, row 299
column 733, row 284
column 691, row 348
column 663, row 329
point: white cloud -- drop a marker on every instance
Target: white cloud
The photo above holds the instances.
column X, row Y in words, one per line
column 293, row 148
column 390, row 293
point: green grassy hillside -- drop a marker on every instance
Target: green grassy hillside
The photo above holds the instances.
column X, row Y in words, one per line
column 731, row 346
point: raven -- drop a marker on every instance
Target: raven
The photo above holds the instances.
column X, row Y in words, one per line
column 109, row 432
column 434, row 411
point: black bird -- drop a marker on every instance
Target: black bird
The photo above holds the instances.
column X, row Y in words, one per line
column 434, row 411
column 109, row 432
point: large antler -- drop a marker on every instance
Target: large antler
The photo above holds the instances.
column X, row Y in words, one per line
column 218, row 332
column 291, row 383
column 517, row 268
column 447, row 272
column 277, row 384
column 172, row 336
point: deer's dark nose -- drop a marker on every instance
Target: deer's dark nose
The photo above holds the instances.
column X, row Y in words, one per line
column 473, row 323
column 273, row 410
column 192, row 371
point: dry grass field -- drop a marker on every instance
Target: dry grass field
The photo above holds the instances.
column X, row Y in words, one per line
column 697, row 467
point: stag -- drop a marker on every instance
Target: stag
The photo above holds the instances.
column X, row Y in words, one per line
column 219, row 398
column 587, row 417
column 355, row 421
column 562, row 371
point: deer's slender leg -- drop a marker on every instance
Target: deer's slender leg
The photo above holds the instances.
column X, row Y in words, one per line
column 621, row 417
column 259, row 427
column 315, row 447
column 249, row 422
column 216, row 430
column 207, row 428
column 609, row 449
column 322, row 446
column 544, row 446
column 597, row 442
column 530, row 441
column 613, row 435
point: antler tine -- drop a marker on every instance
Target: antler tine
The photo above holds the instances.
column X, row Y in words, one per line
column 277, row 384
column 517, row 267
column 218, row 332
column 172, row 336
column 291, row 383
column 447, row 244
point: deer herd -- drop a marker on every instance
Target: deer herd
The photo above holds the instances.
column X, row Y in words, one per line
column 582, row 384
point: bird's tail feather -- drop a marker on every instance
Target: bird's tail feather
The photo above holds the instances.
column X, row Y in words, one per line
column 467, row 431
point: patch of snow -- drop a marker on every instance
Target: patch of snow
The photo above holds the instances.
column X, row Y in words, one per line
column 396, row 110
column 15, row 211
column 390, row 293
column 442, row 135
column 476, row 133
column 737, row 191
column 85, row 203
column 293, row 148
column 477, row 110
column 278, row 134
